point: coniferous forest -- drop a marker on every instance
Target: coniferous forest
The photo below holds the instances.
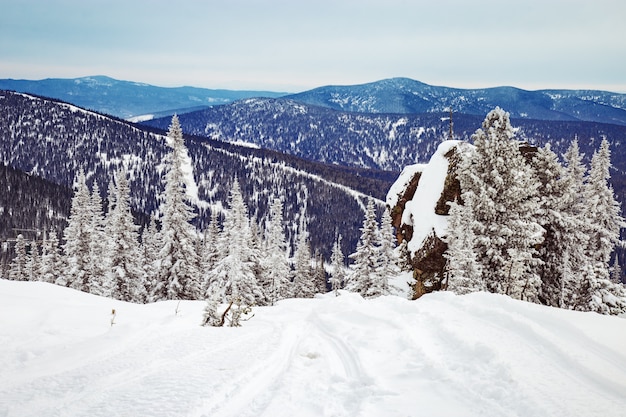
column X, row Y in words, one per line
column 152, row 226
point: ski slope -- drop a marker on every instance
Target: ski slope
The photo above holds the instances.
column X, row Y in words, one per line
column 443, row 355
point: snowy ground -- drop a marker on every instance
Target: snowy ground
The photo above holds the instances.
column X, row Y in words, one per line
column 443, row 355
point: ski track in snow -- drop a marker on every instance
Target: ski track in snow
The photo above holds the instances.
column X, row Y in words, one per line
column 443, row 355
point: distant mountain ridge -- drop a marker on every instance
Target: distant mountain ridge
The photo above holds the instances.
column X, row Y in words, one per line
column 386, row 141
column 127, row 99
column 139, row 101
column 407, row 96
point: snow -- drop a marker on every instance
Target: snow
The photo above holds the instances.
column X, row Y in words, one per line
column 442, row 355
column 191, row 187
column 141, row 118
column 420, row 210
column 398, row 187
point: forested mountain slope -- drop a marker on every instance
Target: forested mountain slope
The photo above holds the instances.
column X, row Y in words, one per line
column 378, row 141
column 54, row 140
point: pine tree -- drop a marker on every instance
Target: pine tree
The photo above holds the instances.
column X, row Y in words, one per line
column 303, row 284
column 99, row 242
column 51, row 261
column 151, row 244
column 364, row 269
column 576, row 263
column 337, row 276
column 34, row 263
column 503, row 194
column 210, row 250
column 277, row 269
column 233, row 275
column 18, row 268
column 387, row 261
column 463, row 270
column 126, row 261
column 560, row 216
column 319, row 274
column 77, row 236
column 597, row 292
column 178, row 276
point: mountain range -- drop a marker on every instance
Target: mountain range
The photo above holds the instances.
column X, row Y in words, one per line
column 141, row 101
column 126, row 99
column 383, row 141
column 407, row 96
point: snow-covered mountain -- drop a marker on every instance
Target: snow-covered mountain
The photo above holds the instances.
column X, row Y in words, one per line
column 63, row 353
column 404, row 95
column 126, row 99
column 379, row 141
column 54, row 140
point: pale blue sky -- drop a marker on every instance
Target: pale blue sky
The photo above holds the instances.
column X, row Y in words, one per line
column 291, row 45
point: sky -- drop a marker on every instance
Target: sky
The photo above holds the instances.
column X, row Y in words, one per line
column 293, row 45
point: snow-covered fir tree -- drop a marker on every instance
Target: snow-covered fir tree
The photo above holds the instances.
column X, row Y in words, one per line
column 77, row 236
column 337, row 262
column 319, row 274
column 34, row 262
column 127, row 274
column 276, row 283
column 99, row 245
column 151, row 245
column 576, row 263
column 233, row 274
column 303, row 282
column 364, row 269
column 387, row 263
column 178, row 274
column 504, row 197
column 51, row 260
column 602, row 211
column 18, row 268
column 463, row 271
column 560, row 216
column 210, row 253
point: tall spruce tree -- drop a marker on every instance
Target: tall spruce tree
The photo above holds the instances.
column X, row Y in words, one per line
column 565, row 228
column 18, row 268
column 364, row 269
column 602, row 211
column 178, row 276
column 337, row 275
column 303, row 282
column 387, row 267
column 233, row 275
column 576, row 263
column 51, row 260
column 99, row 245
column 503, row 193
column 276, row 263
column 77, row 236
column 126, row 260
column 464, row 273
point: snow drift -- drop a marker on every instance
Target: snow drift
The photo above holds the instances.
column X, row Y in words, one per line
column 442, row 355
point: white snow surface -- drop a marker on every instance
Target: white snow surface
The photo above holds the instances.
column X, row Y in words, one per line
column 420, row 210
column 442, row 355
column 402, row 182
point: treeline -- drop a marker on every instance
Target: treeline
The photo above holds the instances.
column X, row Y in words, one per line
column 527, row 226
